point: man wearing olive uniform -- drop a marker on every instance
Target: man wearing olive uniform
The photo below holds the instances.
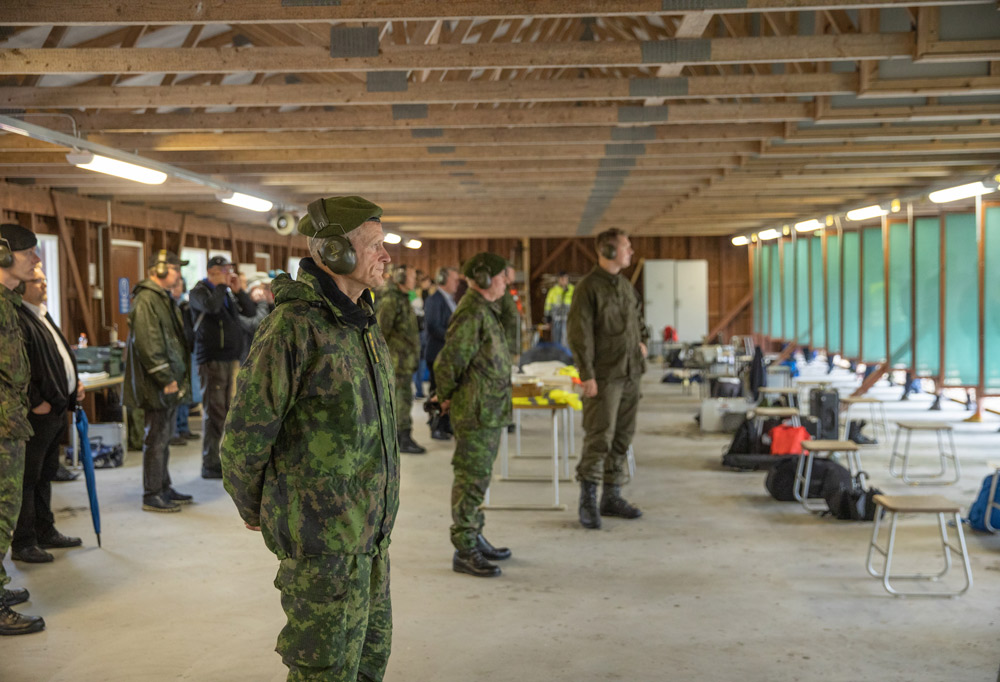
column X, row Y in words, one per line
column 607, row 337
column 399, row 326
column 309, row 454
column 17, row 265
column 473, row 384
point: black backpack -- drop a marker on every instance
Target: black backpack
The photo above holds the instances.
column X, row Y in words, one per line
column 826, row 474
column 850, row 501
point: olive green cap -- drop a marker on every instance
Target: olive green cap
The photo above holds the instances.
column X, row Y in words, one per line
column 343, row 213
column 491, row 262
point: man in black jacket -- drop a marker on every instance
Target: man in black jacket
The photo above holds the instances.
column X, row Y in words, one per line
column 437, row 313
column 54, row 390
column 217, row 302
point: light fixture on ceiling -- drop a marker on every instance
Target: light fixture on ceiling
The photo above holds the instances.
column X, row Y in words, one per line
column 740, row 241
column 866, row 213
column 768, row 234
column 246, row 201
column 808, row 225
column 391, row 238
column 120, row 169
column 943, row 196
column 413, row 244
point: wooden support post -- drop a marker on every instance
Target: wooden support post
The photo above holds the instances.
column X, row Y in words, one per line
column 871, row 379
column 551, row 257
column 981, row 260
column 232, row 245
column 81, row 290
column 182, row 233
column 730, row 315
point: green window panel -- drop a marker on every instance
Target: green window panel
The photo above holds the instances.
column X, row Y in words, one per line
column 788, row 291
column 818, row 302
column 961, row 305
column 775, row 297
column 852, row 295
column 765, row 290
column 833, row 326
column 873, row 291
column 802, row 326
column 927, row 285
column 991, row 363
column 900, row 308
column 756, row 290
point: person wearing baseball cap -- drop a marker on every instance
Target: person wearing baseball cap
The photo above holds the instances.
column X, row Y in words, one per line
column 17, row 265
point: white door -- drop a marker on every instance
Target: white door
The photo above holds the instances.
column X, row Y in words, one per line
column 658, row 284
column 691, row 312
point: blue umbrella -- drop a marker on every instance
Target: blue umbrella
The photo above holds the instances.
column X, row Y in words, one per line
column 87, row 458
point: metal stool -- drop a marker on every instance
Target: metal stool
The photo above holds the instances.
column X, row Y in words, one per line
column 939, row 428
column 917, row 504
column 803, row 471
column 760, row 413
column 791, row 394
column 876, row 413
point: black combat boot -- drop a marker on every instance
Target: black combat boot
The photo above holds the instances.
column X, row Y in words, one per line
column 489, row 551
column 589, row 516
column 14, row 623
column 407, row 444
column 15, row 596
column 613, row 504
column 473, row 562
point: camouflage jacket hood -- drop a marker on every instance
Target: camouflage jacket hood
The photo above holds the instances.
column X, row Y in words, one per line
column 309, row 452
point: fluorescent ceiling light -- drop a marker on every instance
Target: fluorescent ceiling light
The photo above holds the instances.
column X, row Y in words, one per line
column 740, row 241
column 808, row 225
column 392, row 238
column 246, row 201
column 768, row 234
column 121, row 169
column 866, row 212
column 943, row 196
column 413, row 244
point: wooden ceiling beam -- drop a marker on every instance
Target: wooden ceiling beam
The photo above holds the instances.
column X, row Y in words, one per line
column 316, row 59
column 90, row 12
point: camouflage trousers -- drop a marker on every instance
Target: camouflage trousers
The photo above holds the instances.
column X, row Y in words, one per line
column 404, row 401
column 11, row 478
column 475, row 450
column 608, row 424
column 339, row 617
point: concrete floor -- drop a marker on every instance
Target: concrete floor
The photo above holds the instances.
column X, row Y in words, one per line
column 716, row 582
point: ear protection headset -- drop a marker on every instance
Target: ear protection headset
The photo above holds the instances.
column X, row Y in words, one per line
column 161, row 269
column 442, row 276
column 337, row 252
column 481, row 276
column 399, row 274
column 609, row 249
column 6, row 255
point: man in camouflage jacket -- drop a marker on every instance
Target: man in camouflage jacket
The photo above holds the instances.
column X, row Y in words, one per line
column 17, row 267
column 608, row 340
column 473, row 384
column 399, row 326
column 309, row 454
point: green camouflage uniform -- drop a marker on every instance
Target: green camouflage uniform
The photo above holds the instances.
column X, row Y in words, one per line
column 605, row 330
column 14, row 427
column 473, row 371
column 509, row 319
column 310, row 455
column 399, row 326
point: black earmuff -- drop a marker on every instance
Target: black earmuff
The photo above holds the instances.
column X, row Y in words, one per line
column 609, row 249
column 6, row 255
column 399, row 275
column 337, row 252
column 162, row 268
column 482, row 277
